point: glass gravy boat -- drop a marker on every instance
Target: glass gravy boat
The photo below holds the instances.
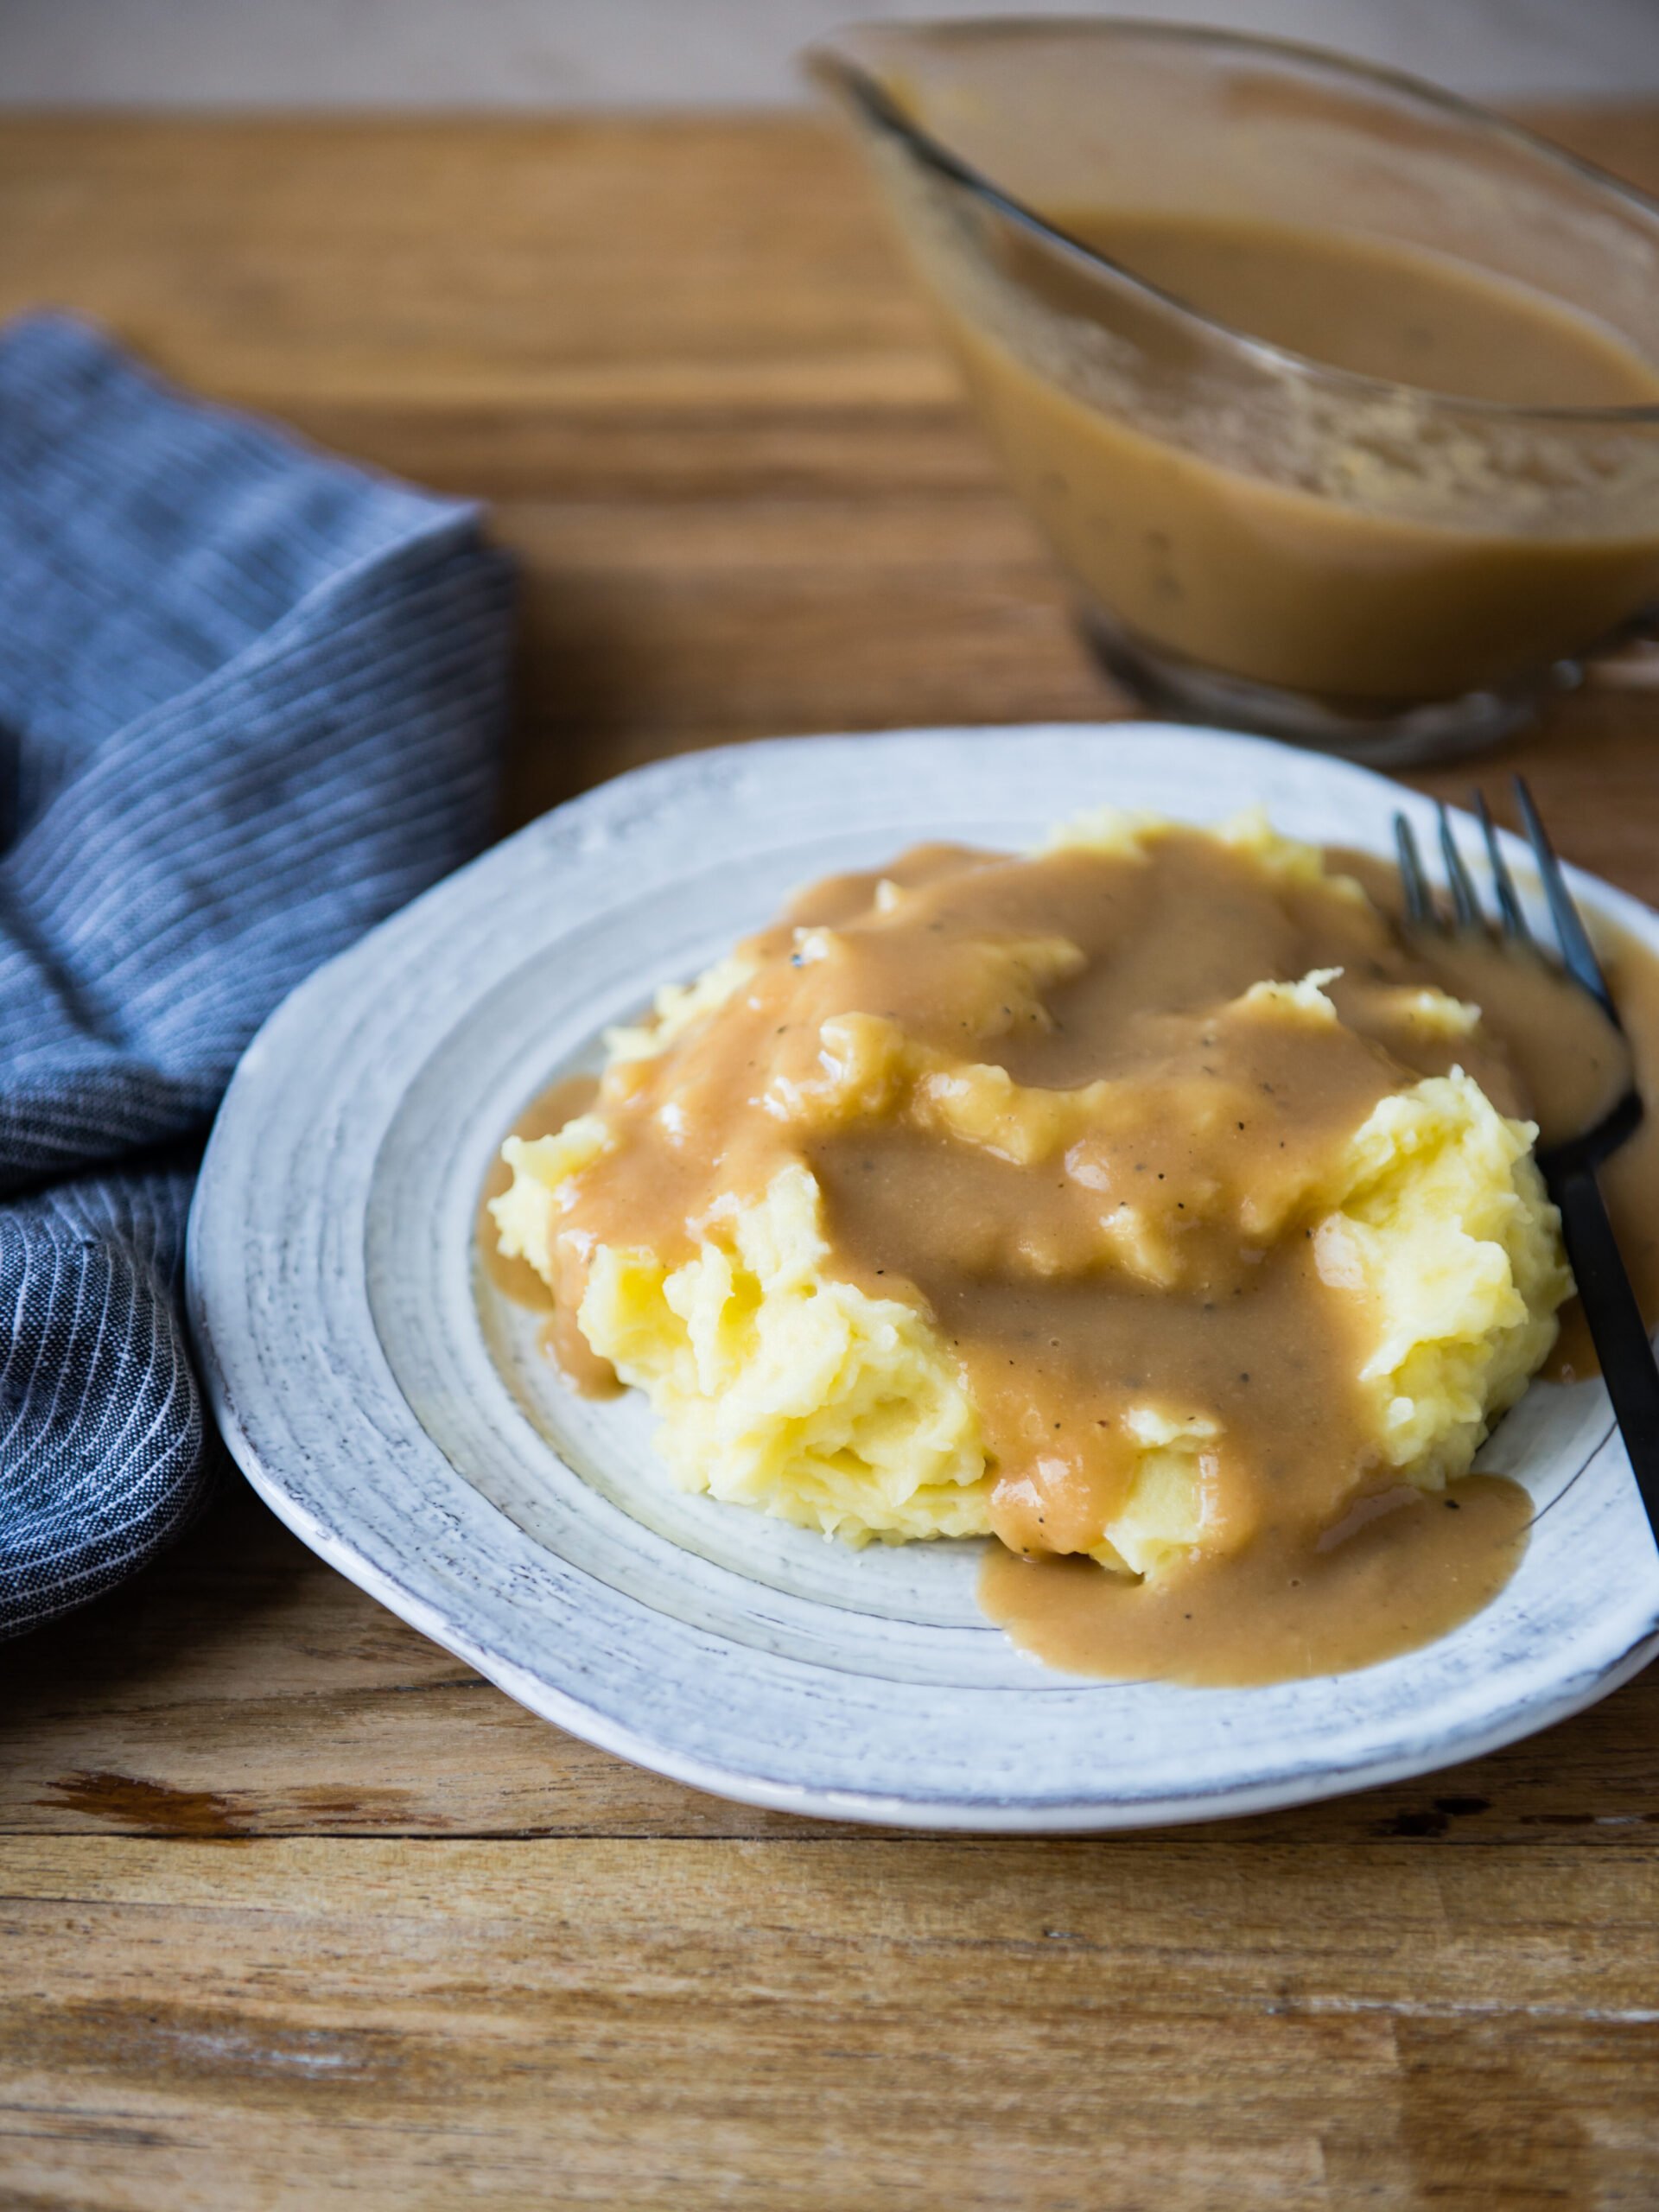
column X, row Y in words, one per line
column 1262, row 538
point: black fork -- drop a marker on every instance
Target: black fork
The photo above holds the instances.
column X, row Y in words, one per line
column 1569, row 1169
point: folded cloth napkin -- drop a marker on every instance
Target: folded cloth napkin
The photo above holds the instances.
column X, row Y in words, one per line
column 251, row 701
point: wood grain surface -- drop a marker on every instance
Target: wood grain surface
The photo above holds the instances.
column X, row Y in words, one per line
column 298, row 1911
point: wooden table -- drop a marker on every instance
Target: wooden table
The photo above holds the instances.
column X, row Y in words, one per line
column 298, row 1911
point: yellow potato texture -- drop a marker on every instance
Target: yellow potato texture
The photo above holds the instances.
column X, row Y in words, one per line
column 781, row 1387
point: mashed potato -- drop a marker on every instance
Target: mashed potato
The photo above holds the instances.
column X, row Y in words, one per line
column 783, row 1384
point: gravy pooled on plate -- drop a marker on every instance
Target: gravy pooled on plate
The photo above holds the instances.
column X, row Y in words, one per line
column 1145, row 1202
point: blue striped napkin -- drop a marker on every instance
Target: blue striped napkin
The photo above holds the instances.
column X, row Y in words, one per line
column 251, row 701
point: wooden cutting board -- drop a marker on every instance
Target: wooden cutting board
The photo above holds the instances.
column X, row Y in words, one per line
column 298, row 1911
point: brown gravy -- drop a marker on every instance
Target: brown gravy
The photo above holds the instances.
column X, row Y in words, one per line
column 1376, row 306
column 1041, row 1103
column 1629, row 1180
column 1349, row 567
column 1400, row 1579
column 1573, row 1068
column 515, row 1279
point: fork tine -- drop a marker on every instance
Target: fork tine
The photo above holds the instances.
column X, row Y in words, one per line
column 1464, row 903
column 1578, row 954
column 1420, row 908
column 1508, row 901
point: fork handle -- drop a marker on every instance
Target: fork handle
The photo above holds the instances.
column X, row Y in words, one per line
column 1616, row 1324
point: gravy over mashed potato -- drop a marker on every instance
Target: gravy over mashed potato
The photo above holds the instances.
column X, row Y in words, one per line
column 1144, row 1202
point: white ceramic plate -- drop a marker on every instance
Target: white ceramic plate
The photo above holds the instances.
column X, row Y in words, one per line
column 398, row 1418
